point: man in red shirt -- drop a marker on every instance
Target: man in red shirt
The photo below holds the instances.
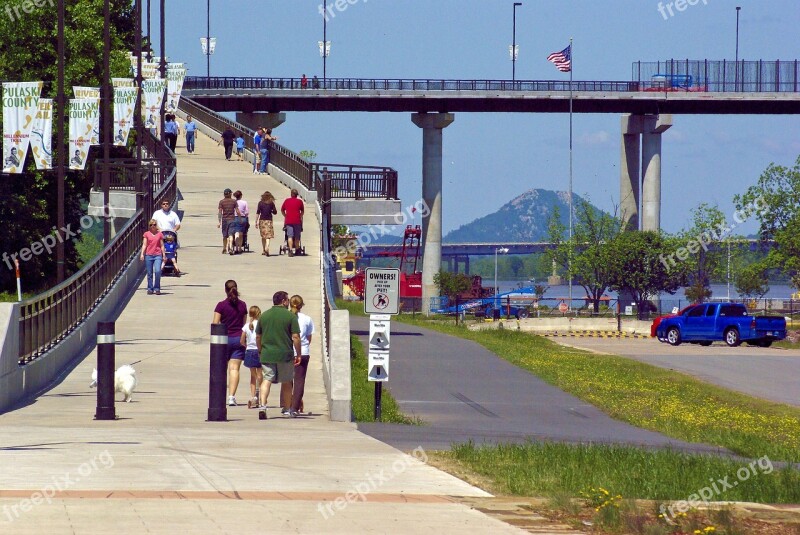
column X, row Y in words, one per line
column 292, row 210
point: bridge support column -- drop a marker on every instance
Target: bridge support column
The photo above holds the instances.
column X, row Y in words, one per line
column 432, row 125
column 253, row 120
column 650, row 128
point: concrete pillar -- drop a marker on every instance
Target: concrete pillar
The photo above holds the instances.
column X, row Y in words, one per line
column 651, row 171
column 466, row 264
column 629, row 172
column 432, row 125
column 254, row 120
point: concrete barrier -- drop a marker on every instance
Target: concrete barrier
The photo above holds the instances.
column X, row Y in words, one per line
column 568, row 325
column 336, row 369
column 20, row 384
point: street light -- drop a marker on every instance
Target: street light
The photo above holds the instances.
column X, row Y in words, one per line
column 502, row 250
column 514, row 50
column 324, row 45
column 738, row 9
column 208, row 43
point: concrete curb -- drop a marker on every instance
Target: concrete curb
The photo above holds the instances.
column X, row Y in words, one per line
column 594, row 334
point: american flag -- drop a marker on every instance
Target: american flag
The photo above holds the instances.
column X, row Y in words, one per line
column 562, row 60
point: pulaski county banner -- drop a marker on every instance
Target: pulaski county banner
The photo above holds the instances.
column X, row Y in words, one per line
column 175, row 75
column 90, row 92
column 20, row 102
column 153, row 91
column 42, row 135
column 124, row 104
column 83, row 114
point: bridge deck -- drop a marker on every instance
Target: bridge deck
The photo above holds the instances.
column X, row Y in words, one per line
column 174, row 471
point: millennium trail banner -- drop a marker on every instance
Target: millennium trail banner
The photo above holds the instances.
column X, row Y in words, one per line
column 153, row 92
column 20, row 103
column 42, row 135
column 175, row 75
column 124, row 104
column 83, row 114
column 90, row 92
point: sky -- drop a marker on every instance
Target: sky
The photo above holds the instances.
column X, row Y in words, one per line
column 491, row 158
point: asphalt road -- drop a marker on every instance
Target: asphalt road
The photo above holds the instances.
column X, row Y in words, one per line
column 464, row 392
column 769, row 373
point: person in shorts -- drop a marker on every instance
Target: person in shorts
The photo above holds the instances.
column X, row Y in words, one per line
column 228, row 209
column 232, row 312
column 292, row 210
column 278, row 337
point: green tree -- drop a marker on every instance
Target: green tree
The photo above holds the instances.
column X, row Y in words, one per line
column 28, row 202
column 586, row 254
column 705, row 258
column 638, row 265
column 452, row 284
column 752, row 281
column 308, row 155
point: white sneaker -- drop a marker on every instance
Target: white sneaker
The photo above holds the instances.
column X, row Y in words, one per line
column 231, row 401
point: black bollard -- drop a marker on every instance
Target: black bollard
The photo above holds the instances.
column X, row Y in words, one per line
column 218, row 374
column 378, row 397
column 105, row 371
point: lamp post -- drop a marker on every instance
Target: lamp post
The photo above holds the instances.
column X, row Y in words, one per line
column 502, row 250
column 208, row 41
column 61, row 108
column 324, row 45
column 514, row 50
column 736, row 64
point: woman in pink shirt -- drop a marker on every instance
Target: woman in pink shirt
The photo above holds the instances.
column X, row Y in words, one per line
column 153, row 254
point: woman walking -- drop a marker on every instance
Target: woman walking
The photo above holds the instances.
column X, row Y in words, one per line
column 153, row 254
column 266, row 209
column 232, row 312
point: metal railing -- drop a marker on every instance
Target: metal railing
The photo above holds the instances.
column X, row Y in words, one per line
column 718, row 76
column 402, row 84
column 356, row 181
column 49, row 317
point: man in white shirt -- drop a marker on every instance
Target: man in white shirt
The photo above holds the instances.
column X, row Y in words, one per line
column 166, row 218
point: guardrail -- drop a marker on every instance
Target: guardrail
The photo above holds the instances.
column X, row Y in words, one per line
column 718, row 76
column 402, row 84
column 49, row 317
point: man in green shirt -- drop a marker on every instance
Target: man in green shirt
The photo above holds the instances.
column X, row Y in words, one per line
column 278, row 337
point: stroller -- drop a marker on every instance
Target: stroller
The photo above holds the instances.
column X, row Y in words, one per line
column 171, row 253
column 285, row 247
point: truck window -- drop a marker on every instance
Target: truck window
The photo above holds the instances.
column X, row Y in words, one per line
column 696, row 312
column 711, row 310
column 733, row 311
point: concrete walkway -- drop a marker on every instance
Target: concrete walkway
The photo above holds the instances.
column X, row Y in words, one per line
column 161, row 468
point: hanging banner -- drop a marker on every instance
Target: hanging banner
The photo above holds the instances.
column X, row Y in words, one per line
column 20, row 102
column 83, row 114
column 175, row 76
column 90, row 92
column 153, row 92
column 149, row 70
column 123, row 82
column 42, row 135
column 124, row 104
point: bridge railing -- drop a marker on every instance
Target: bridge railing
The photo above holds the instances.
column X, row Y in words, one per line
column 356, row 181
column 719, row 76
column 49, row 317
column 401, row 84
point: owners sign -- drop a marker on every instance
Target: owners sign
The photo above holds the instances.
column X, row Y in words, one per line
column 382, row 291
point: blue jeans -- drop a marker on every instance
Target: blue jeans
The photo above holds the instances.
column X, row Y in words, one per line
column 264, row 160
column 190, row 141
column 152, row 263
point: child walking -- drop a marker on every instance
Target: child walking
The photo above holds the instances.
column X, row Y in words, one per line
column 252, row 358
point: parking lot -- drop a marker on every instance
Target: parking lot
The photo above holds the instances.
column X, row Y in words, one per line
column 768, row 373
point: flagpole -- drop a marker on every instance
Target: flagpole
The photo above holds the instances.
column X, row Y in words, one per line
column 569, row 197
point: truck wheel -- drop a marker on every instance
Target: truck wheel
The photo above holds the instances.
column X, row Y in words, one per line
column 705, row 343
column 674, row 336
column 522, row 314
column 732, row 338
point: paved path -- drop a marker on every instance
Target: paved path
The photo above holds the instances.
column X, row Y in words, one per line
column 161, row 468
column 768, row 373
column 464, row 392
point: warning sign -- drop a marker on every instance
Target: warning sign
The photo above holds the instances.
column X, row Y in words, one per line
column 382, row 291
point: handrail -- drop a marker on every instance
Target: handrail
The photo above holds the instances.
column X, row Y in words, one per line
column 47, row 318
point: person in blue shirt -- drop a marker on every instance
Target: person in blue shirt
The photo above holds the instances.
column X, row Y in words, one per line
column 240, row 146
column 256, row 151
column 170, row 132
column 190, row 128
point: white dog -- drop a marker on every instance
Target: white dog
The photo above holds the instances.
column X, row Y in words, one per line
column 124, row 381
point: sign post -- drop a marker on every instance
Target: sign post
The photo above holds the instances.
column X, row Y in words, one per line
column 381, row 301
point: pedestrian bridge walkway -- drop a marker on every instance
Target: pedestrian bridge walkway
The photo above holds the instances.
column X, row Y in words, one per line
column 161, row 467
